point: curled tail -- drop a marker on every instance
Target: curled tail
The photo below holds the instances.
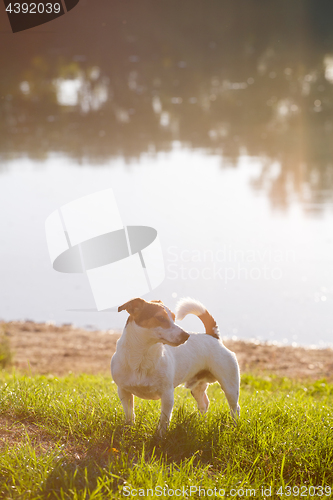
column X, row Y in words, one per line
column 191, row 306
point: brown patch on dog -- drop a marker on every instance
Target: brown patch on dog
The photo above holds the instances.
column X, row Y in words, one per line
column 172, row 314
column 210, row 324
column 206, row 375
column 133, row 306
column 151, row 314
column 165, row 307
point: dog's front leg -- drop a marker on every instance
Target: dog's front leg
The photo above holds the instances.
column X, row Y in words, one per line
column 127, row 400
column 166, row 411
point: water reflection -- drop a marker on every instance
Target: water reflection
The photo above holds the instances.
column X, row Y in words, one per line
column 261, row 87
column 84, row 92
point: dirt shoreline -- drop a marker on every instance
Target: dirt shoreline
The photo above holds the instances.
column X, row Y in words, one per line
column 58, row 350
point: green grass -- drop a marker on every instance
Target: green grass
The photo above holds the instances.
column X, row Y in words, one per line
column 5, row 351
column 66, row 439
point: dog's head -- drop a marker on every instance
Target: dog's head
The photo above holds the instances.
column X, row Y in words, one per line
column 157, row 321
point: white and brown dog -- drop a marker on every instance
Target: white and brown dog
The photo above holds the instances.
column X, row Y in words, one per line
column 154, row 355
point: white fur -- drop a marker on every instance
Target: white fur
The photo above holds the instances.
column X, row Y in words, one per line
column 145, row 366
column 189, row 306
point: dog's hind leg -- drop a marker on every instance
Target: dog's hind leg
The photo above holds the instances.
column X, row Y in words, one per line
column 229, row 381
column 127, row 400
column 200, row 395
column 232, row 398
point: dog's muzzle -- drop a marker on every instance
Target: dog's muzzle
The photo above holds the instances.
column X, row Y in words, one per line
column 181, row 338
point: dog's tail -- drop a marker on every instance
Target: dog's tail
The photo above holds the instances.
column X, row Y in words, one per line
column 191, row 306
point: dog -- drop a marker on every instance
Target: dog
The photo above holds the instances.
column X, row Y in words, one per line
column 154, row 355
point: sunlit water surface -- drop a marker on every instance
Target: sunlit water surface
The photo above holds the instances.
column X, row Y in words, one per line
column 262, row 273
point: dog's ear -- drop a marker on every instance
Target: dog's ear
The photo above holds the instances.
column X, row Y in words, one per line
column 172, row 314
column 133, row 306
column 165, row 307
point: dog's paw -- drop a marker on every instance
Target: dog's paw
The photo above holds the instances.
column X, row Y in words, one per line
column 161, row 431
column 128, row 424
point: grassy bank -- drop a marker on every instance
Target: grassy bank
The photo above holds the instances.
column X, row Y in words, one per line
column 64, row 438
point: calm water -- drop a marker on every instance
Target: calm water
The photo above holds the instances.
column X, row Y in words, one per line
column 262, row 273
column 212, row 123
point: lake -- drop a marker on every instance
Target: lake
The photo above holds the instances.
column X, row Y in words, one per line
column 213, row 128
column 263, row 274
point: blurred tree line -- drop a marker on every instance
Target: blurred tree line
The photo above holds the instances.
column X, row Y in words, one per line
column 119, row 77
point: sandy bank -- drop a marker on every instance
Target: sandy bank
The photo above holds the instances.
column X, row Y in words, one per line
column 45, row 348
